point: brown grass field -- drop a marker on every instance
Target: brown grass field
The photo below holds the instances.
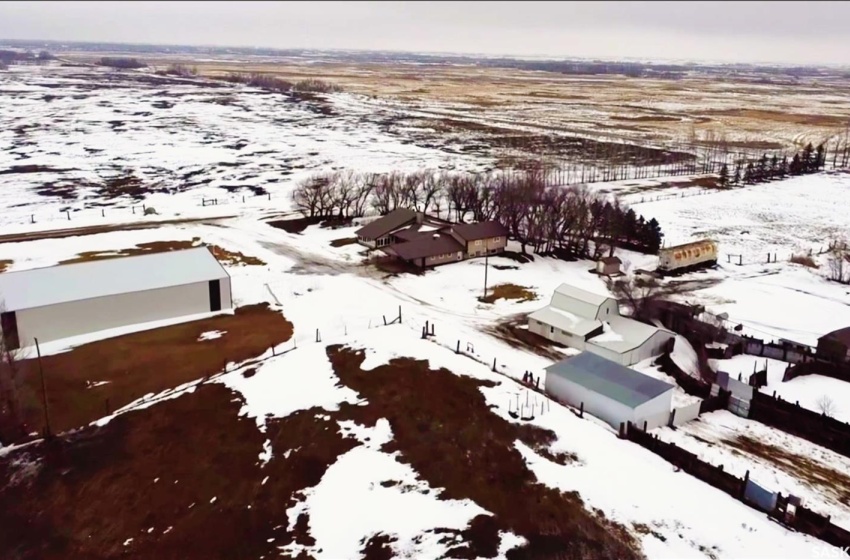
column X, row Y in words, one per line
column 224, row 256
column 144, row 362
column 746, row 112
column 509, row 292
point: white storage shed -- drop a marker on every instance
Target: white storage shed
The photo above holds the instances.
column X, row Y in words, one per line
column 611, row 392
column 70, row 300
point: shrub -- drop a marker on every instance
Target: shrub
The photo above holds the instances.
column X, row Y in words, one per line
column 805, row 260
column 316, row 86
column 123, row 63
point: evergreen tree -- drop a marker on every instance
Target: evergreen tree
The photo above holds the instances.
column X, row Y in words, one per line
column 773, row 172
column 795, row 168
column 807, row 161
column 630, row 226
column 820, row 157
column 760, row 171
column 724, row 176
column 783, row 166
column 654, row 235
column 749, row 173
column 736, row 179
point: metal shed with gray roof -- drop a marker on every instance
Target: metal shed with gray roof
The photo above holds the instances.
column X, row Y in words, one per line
column 610, row 391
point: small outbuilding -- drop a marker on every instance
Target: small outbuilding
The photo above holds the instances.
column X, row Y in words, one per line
column 609, row 391
column 835, row 346
column 74, row 299
column 609, row 266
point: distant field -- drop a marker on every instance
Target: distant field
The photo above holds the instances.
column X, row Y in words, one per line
column 745, row 111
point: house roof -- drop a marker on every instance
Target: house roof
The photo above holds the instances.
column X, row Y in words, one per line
column 425, row 246
column 416, row 231
column 841, row 335
column 627, row 386
column 79, row 281
column 566, row 321
column 480, row 230
column 580, row 302
column 384, row 225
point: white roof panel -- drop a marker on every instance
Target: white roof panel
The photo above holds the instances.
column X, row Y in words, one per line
column 629, row 334
column 566, row 321
column 73, row 282
column 575, row 300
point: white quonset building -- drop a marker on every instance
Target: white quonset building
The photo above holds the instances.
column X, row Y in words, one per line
column 610, row 391
column 592, row 322
column 74, row 299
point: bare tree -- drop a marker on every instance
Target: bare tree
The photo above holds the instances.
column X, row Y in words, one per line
column 640, row 295
column 838, row 262
column 826, row 406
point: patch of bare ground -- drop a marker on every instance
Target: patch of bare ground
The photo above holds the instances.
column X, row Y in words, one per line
column 512, row 331
column 707, row 182
column 396, row 267
column 804, row 260
column 177, row 481
column 224, row 256
column 804, row 468
column 93, row 230
column 509, row 292
column 343, row 242
column 145, row 362
column 645, row 118
column 643, row 529
column 298, row 225
column 378, row 547
column 5, row 264
column 21, row 169
column 781, row 116
column 443, row 427
column 746, row 144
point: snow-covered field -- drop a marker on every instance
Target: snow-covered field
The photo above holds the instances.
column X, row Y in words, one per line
column 326, row 291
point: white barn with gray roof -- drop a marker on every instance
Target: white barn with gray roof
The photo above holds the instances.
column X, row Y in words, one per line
column 588, row 321
column 70, row 300
column 609, row 391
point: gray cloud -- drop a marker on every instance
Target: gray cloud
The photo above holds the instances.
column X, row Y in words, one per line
column 796, row 32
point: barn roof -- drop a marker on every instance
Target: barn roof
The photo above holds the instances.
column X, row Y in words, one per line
column 595, row 373
column 39, row 287
column 577, row 301
column 565, row 321
column 622, row 334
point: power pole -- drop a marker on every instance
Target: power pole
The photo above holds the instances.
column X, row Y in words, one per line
column 486, row 266
column 47, row 432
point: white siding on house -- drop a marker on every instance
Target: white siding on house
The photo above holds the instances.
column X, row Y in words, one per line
column 555, row 334
column 74, row 318
column 596, row 404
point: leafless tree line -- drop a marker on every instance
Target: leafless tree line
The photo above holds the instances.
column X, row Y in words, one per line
column 572, row 220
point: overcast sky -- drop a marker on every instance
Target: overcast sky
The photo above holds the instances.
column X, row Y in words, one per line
column 793, row 32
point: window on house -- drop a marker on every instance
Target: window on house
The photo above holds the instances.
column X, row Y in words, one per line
column 497, row 239
column 478, row 242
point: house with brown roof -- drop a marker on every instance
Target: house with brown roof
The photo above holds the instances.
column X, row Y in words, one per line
column 424, row 240
column 482, row 238
column 835, row 346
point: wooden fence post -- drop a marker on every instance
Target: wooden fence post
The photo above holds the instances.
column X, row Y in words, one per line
column 32, row 218
column 68, row 213
column 494, row 364
column 457, row 351
column 399, row 314
column 581, row 410
column 318, row 336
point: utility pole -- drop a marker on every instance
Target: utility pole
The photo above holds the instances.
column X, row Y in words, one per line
column 47, row 432
column 486, row 266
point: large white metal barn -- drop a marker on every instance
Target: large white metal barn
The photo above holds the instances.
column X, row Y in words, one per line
column 70, row 300
column 609, row 391
column 587, row 321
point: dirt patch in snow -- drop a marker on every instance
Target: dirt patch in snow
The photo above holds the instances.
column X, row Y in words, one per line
column 510, row 292
column 5, row 264
column 443, row 427
column 93, row 230
column 342, row 242
column 812, row 472
column 144, row 362
column 298, row 225
column 187, row 468
column 231, row 258
column 514, row 331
